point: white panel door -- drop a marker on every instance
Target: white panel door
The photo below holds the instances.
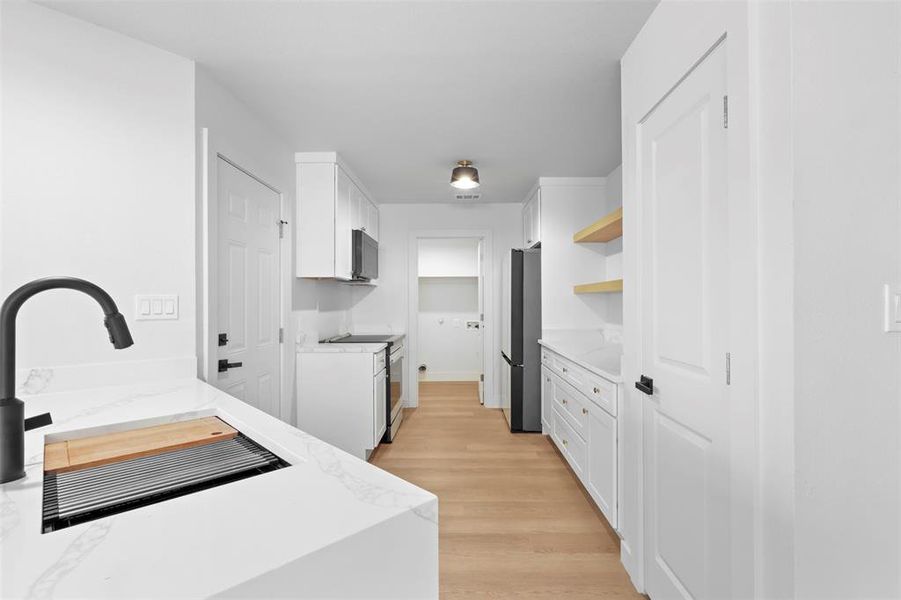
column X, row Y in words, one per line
column 248, row 288
column 684, row 314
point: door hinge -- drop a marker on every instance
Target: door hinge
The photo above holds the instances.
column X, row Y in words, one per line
column 482, row 377
column 728, row 368
column 281, row 228
column 725, row 112
column 281, row 335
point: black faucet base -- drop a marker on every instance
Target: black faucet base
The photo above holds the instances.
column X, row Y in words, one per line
column 12, row 439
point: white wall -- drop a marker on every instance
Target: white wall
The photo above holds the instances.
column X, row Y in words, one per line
column 846, row 138
column 386, row 307
column 316, row 309
column 98, row 183
column 614, row 248
column 448, row 257
column 569, row 204
column 449, row 350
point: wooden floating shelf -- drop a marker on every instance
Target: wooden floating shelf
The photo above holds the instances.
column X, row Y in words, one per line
column 604, row 229
column 601, row 287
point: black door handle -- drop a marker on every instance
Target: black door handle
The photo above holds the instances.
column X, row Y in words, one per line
column 645, row 385
column 224, row 365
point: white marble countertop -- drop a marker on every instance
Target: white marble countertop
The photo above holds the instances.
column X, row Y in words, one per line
column 371, row 348
column 595, row 354
column 291, row 532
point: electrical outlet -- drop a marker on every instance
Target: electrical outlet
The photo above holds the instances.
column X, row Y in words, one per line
column 156, row 307
column 892, row 308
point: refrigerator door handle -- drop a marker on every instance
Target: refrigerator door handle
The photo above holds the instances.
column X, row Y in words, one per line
column 510, row 362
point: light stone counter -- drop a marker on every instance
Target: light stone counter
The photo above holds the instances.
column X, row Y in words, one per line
column 330, row 525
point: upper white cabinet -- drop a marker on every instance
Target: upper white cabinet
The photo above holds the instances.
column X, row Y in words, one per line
column 331, row 203
column 531, row 219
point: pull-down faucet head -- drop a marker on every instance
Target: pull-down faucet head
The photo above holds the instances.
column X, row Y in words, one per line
column 12, row 410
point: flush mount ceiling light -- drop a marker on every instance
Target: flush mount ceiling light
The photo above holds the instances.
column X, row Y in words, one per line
column 465, row 176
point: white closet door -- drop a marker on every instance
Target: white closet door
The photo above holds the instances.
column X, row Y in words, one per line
column 684, row 313
column 248, row 294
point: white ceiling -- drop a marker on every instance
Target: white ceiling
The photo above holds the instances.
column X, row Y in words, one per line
column 404, row 89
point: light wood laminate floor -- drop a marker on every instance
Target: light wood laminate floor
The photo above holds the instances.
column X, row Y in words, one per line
column 514, row 521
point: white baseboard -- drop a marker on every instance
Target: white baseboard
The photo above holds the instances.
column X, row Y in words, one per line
column 450, row 376
column 47, row 380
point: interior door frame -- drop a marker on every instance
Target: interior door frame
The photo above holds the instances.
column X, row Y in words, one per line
column 676, row 38
column 212, row 150
column 486, row 267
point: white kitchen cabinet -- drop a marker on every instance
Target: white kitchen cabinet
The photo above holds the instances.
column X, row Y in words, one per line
column 331, row 203
column 547, row 396
column 344, row 198
column 531, row 220
column 602, row 462
column 380, row 408
column 579, row 410
column 342, row 395
column 372, row 223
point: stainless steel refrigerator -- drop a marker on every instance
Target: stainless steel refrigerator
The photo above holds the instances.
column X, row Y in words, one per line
column 520, row 330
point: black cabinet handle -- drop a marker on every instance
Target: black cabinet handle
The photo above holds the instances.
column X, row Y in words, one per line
column 645, row 385
column 224, row 365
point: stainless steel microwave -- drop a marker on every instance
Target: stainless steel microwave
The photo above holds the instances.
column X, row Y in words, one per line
column 365, row 256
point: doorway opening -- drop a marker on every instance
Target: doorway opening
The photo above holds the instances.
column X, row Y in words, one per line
column 450, row 314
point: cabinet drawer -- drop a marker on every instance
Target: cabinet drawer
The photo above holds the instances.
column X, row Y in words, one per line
column 572, row 446
column 571, row 405
column 546, row 356
column 600, row 391
column 558, row 364
column 379, row 362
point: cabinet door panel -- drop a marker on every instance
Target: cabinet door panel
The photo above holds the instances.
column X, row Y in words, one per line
column 357, row 207
column 527, row 225
column 536, row 218
column 373, row 229
column 602, row 462
column 547, row 398
column 343, row 224
column 380, row 409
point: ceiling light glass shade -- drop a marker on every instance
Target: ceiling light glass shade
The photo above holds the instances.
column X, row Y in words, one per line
column 465, row 176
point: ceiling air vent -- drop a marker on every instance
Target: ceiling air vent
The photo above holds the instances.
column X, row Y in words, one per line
column 467, row 196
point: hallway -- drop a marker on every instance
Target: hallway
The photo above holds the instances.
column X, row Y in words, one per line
column 514, row 522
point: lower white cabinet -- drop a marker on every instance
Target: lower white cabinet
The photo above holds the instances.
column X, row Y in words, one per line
column 578, row 410
column 380, row 408
column 602, row 462
column 546, row 400
column 342, row 396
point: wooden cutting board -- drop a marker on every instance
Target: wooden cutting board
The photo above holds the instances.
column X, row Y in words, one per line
column 71, row 455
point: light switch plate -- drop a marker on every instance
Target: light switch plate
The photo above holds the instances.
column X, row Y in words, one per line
column 156, row 307
column 893, row 308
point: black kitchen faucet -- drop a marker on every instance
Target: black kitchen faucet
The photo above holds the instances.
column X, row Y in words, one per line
column 12, row 410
